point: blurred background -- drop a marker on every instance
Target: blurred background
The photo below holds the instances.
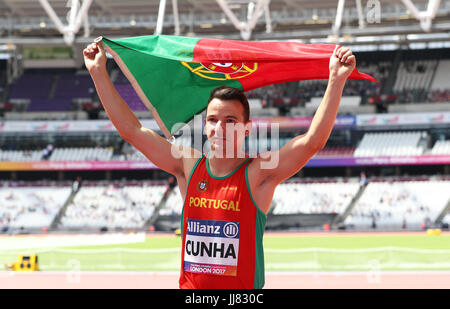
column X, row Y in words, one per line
column 386, row 167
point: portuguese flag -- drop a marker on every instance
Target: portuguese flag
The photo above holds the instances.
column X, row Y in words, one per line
column 174, row 75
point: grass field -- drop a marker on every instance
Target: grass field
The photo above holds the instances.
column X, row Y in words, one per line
column 283, row 252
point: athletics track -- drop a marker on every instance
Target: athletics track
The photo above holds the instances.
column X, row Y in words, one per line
column 274, row 280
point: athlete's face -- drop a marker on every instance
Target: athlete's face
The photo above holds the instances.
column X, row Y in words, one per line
column 225, row 126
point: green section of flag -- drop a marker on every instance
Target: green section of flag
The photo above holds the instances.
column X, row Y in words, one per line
column 165, row 46
column 173, row 89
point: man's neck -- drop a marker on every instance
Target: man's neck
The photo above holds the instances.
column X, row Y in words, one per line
column 221, row 166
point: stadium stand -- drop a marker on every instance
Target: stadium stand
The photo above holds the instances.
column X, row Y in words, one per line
column 173, row 205
column 20, row 155
column 415, row 80
column 440, row 81
column 439, row 95
column 51, row 90
column 400, row 202
column 415, row 75
column 124, row 205
column 131, row 154
column 74, row 85
column 386, row 203
column 328, row 151
column 314, row 197
column 309, row 94
column 372, row 144
column 391, row 144
column 126, row 91
column 446, row 219
column 319, row 196
column 36, row 83
column 82, row 154
column 441, row 147
column 58, row 154
column 336, row 151
column 31, row 205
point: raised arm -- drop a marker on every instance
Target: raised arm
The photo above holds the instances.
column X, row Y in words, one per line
column 158, row 150
column 299, row 150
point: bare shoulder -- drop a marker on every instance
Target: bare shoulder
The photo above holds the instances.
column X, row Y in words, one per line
column 261, row 184
column 263, row 166
column 190, row 157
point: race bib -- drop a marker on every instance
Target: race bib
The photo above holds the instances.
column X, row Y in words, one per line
column 211, row 247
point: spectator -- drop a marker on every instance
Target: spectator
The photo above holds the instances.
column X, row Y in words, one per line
column 363, row 178
column 374, row 221
column 47, row 152
column 76, row 184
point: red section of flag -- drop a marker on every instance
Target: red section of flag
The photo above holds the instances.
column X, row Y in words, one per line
column 278, row 62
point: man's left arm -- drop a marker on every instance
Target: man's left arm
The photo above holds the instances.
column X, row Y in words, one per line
column 299, row 150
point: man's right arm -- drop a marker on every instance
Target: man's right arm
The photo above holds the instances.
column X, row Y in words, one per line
column 158, row 150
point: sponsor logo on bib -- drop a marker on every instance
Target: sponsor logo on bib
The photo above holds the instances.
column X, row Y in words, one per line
column 211, row 247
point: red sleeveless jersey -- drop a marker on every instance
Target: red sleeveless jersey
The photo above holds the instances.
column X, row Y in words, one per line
column 222, row 230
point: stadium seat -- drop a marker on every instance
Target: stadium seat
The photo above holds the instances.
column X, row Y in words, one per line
column 113, row 206
column 391, row 144
column 313, row 198
column 394, row 203
column 31, row 205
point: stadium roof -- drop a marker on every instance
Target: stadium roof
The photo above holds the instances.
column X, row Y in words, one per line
column 26, row 22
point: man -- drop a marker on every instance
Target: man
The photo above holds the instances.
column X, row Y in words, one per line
column 226, row 194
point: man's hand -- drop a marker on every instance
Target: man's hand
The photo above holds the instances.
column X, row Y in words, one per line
column 342, row 63
column 95, row 57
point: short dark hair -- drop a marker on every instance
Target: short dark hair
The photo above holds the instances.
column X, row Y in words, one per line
column 231, row 93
